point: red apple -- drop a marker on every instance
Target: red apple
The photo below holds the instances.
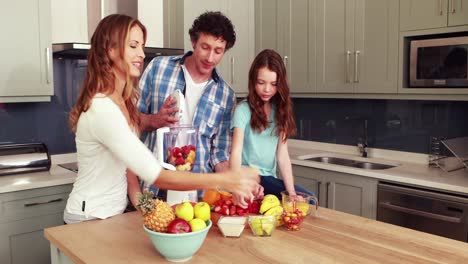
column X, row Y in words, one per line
column 178, row 226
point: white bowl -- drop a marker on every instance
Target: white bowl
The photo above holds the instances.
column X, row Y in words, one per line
column 232, row 226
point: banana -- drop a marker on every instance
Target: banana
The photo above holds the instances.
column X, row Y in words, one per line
column 268, row 202
column 275, row 210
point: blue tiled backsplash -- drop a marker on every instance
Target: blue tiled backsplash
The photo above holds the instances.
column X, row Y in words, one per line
column 404, row 125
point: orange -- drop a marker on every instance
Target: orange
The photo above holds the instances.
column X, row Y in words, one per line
column 225, row 195
column 211, row 196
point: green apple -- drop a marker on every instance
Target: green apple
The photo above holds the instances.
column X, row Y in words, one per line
column 197, row 224
column 184, row 211
column 202, row 211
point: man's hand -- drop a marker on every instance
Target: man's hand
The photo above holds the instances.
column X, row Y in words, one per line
column 164, row 117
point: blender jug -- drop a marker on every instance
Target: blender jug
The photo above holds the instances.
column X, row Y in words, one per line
column 176, row 150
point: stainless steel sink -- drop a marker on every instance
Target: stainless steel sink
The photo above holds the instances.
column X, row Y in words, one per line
column 333, row 160
column 372, row 166
column 352, row 163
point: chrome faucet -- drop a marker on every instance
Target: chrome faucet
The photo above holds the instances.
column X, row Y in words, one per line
column 362, row 142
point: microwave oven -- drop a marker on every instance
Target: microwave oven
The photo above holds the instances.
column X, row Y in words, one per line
column 439, row 63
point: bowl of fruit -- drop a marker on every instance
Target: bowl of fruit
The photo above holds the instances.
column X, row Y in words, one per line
column 177, row 234
column 296, row 207
column 262, row 225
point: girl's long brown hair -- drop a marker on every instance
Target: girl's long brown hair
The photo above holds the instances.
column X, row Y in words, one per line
column 284, row 117
column 111, row 32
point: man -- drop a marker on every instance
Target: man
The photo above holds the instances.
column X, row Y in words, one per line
column 209, row 99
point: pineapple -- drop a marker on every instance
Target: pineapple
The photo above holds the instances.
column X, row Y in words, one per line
column 156, row 214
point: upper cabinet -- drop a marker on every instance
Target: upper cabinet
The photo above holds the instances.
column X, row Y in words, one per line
column 235, row 65
column 427, row 14
column 288, row 27
column 26, row 64
column 333, row 46
column 357, row 47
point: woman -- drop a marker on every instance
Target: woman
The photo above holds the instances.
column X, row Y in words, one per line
column 262, row 124
column 105, row 120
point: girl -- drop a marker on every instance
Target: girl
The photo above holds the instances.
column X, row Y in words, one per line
column 105, row 120
column 262, row 124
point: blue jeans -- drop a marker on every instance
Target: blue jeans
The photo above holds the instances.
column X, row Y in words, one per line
column 275, row 186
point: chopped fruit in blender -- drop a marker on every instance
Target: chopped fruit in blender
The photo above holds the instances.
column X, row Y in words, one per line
column 182, row 157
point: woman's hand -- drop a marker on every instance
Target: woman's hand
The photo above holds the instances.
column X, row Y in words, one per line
column 242, row 202
column 243, row 184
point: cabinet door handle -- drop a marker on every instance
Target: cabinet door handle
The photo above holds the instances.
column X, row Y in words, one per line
column 46, row 202
column 390, row 206
column 47, row 54
column 348, row 54
column 356, row 66
column 328, row 191
column 232, row 70
column 441, row 12
column 319, row 184
column 452, row 5
column 285, row 60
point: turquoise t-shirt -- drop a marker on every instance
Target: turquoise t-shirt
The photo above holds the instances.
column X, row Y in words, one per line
column 259, row 149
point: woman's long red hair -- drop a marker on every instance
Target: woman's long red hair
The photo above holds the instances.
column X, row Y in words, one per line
column 111, row 32
column 284, row 116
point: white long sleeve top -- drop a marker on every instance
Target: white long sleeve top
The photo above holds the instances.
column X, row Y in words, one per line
column 106, row 147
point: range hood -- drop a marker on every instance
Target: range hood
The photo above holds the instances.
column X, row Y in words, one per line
column 80, row 51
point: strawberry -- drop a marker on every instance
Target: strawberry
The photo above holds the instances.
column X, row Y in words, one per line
column 179, row 161
column 240, row 211
column 217, row 209
column 225, row 210
column 232, row 210
column 219, row 203
column 228, row 202
column 192, row 147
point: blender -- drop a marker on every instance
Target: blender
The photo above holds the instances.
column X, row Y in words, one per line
column 176, row 150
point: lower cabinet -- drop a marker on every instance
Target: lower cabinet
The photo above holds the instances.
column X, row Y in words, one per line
column 343, row 192
column 23, row 217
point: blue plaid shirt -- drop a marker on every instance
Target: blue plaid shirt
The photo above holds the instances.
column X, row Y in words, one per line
column 213, row 115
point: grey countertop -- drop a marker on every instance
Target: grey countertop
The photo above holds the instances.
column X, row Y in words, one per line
column 55, row 176
column 411, row 168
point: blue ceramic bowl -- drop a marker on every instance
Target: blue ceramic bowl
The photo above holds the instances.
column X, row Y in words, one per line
column 178, row 247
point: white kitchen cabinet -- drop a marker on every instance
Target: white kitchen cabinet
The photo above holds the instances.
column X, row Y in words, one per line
column 235, row 65
column 26, row 62
column 427, row 14
column 340, row 191
column 357, row 47
column 333, row 46
column 23, row 217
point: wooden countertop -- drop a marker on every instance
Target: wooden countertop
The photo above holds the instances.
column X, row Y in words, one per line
column 333, row 237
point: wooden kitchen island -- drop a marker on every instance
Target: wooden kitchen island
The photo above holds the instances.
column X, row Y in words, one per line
column 333, row 237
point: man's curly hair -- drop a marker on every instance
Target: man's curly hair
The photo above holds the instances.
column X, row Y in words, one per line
column 216, row 24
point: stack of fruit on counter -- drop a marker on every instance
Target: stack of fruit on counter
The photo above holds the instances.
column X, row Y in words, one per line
column 291, row 215
column 272, row 206
column 185, row 217
column 222, row 204
column 182, row 158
